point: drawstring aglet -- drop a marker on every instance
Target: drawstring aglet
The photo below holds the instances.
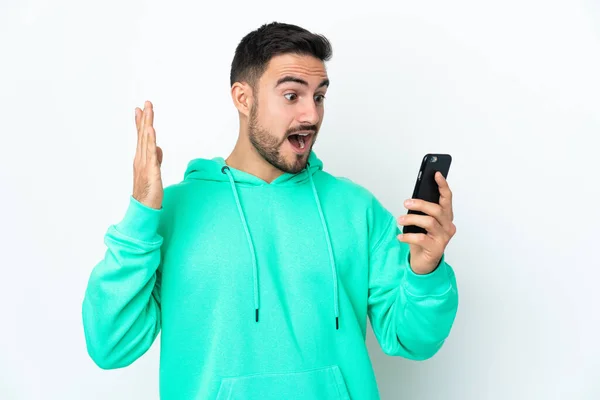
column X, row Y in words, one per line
column 337, row 322
column 257, row 315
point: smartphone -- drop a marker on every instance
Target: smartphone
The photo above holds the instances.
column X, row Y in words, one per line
column 426, row 188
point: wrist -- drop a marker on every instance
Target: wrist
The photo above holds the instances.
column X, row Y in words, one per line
column 420, row 268
column 436, row 282
column 140, row 221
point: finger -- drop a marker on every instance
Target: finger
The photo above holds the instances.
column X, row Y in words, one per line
column 429, row 208
column 150, row 115
column 138, row 122
column 430, row 224
column 418, row 239
column 144, row 134
column 151, row 151
column 148, row 121
column 141, row 129
column 138, row 118
column 445, row 192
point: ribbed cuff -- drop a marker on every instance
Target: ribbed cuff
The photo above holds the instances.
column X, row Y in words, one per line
column 433, row 284
column 140, row 221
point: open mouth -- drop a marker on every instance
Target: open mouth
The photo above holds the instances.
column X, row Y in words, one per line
column 300, row 141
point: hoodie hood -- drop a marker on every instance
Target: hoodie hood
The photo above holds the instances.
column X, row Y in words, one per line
column 213, row 170
column 216, row 169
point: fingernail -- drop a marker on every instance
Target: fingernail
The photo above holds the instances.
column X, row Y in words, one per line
column 408, row 202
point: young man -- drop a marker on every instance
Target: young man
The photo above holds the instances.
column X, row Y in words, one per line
column 260, row 270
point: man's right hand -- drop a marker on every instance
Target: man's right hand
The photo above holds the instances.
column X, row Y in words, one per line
column 147, row 181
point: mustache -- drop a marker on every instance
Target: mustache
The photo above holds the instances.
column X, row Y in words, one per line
column 302, row 128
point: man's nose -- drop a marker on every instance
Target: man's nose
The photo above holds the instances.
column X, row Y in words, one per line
column 309, row 113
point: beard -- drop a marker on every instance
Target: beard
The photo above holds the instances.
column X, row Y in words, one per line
column 269, row 145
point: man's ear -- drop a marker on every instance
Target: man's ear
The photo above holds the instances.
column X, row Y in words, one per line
column 243, row 97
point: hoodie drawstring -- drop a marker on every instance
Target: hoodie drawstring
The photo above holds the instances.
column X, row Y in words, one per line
column 227, row 171
column 330, row 249
column 248, row 238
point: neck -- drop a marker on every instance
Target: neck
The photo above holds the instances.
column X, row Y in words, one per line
column 245, row 157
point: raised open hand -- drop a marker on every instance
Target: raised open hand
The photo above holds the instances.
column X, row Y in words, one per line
column 147, row 181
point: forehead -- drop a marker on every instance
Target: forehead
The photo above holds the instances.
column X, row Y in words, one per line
column 302, row 66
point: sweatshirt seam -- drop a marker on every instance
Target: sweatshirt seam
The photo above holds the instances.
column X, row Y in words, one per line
column 422, row 296
column 135, row 240
column 382, row 236
column 407, row 285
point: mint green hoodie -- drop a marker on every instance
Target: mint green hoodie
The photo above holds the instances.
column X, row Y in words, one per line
column 262, row 291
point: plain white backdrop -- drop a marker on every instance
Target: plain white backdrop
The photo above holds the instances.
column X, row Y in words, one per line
column 511, row 89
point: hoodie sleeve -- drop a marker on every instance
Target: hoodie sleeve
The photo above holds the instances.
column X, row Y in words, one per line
column 411, row 315
column 121, row 305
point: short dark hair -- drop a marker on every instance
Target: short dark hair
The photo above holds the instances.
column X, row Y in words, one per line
column 256, row 49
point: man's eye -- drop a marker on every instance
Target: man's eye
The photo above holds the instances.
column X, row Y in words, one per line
column 319, row 98
column 290, row 96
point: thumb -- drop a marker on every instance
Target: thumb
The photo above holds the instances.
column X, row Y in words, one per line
column 159, row 155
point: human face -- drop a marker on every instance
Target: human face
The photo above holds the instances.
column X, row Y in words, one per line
column 288, row 110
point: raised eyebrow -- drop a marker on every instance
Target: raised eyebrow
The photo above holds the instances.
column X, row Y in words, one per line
column 289, row 78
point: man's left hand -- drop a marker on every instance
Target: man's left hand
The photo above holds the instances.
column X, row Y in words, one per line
column 426, row 250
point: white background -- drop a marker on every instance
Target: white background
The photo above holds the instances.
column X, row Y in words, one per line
column 511, row 89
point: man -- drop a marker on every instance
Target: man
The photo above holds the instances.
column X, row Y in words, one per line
column 260, row 270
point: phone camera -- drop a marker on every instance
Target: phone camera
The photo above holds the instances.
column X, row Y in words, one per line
column 433, row 159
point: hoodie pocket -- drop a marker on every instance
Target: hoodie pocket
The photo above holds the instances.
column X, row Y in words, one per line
column 318, row 384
